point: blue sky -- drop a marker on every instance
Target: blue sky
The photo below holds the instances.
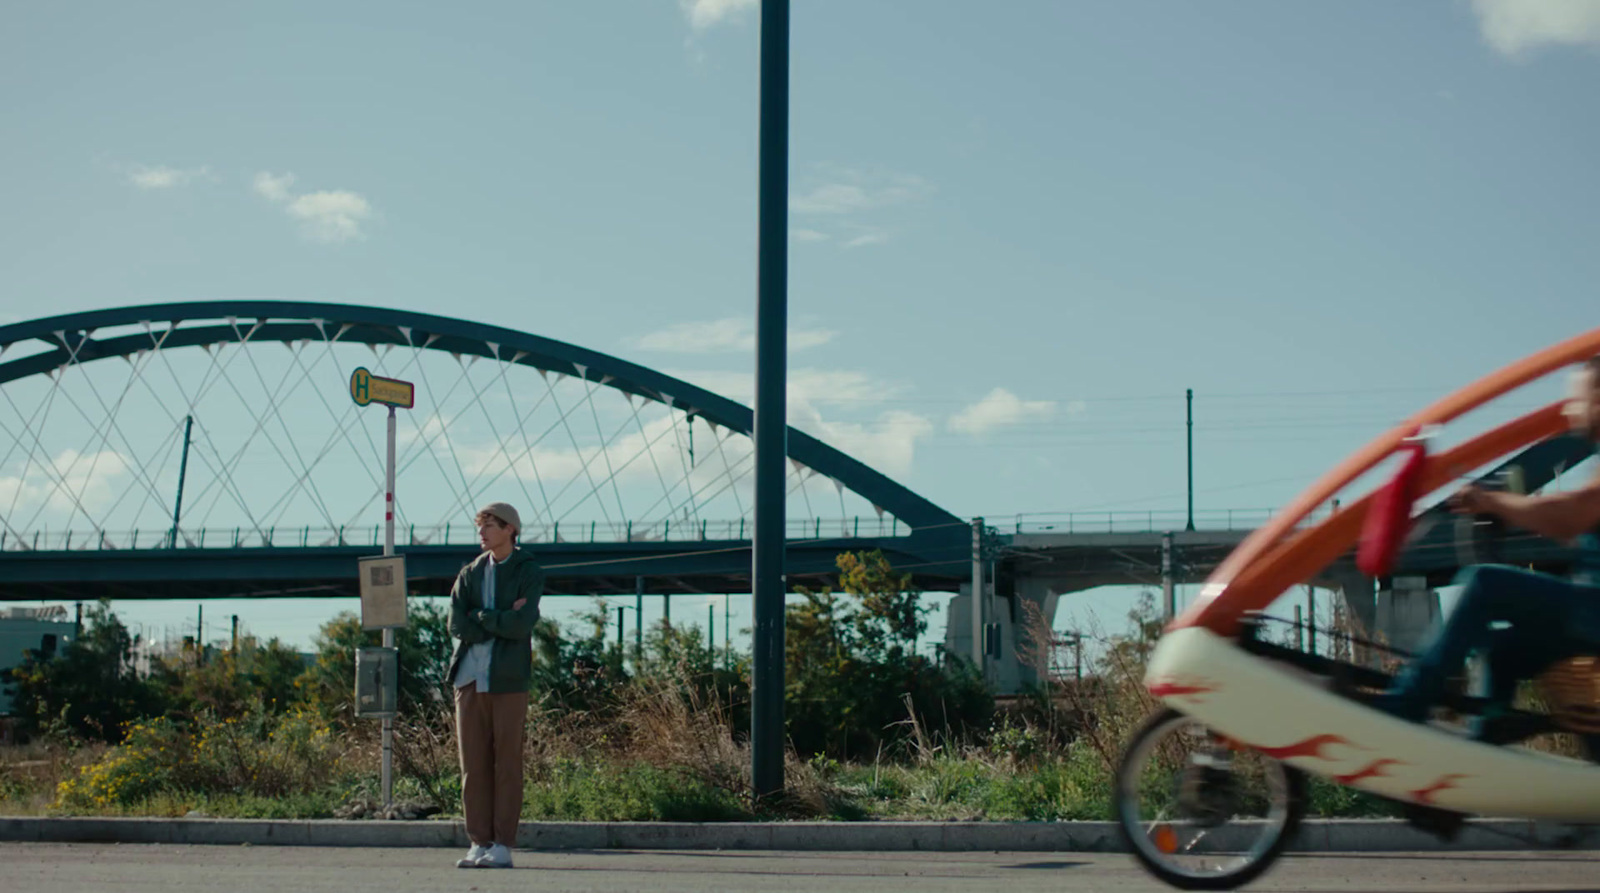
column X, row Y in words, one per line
column 1019, row 231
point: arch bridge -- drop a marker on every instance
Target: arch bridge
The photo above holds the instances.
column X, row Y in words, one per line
column 211, row 449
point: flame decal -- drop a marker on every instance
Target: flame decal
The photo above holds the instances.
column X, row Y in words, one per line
column 1178, row 687
column 1442, row 783
column 1173, row 689
column 1373, row 769
column 1311, row 747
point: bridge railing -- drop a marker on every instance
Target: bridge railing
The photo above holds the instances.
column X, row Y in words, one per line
column 1126, row 521
column 452, row 534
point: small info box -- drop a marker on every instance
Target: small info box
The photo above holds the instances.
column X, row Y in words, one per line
column 383, row 592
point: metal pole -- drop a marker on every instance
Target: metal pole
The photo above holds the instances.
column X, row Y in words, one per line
column 977, row 594
column 711, row 629
column 1311, row 618
column 1169, row 606
column 183, row 471
column 236, row 634
column 388, row 634
column 638, row 619
column 622, row 623
column 666, row 610
column 199, row 635
column 1188, row 398
column 1299, row 631
column 771, row 416
column 727, row 642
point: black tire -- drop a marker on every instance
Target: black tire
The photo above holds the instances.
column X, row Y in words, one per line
column 1291, row 790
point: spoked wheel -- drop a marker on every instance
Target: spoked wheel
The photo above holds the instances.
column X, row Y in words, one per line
column 1200, row 812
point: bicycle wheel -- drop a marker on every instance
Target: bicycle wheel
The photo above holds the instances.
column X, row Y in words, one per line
column 1200, row 812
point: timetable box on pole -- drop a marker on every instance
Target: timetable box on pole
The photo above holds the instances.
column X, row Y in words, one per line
column 377, row 682
column 383, row 591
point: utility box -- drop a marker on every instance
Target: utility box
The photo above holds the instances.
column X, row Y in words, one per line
column 377, row 682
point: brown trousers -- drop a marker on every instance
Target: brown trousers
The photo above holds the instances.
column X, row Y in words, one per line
column 489, row 733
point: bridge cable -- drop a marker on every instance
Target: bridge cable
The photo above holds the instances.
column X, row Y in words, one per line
column 503, row 449
column 605, row 445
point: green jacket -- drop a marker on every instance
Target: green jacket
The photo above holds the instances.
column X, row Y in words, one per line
column 511, row 658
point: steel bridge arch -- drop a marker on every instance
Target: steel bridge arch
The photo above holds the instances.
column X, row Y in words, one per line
column 69, row 339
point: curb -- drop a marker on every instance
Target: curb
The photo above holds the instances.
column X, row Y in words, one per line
column 1316, row 836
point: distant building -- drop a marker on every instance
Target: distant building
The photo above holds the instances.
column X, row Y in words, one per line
column 45, row 630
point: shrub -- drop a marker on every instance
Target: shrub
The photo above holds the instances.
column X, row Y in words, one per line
column 258, row 755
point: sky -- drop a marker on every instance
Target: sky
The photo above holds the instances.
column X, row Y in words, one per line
column 1018, row 232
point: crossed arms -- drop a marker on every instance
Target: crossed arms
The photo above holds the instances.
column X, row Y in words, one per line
column 483, row 624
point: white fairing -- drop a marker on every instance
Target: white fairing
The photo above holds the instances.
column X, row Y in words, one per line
column 1289, row 714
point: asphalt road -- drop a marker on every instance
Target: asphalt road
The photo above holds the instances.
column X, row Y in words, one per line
column 146, row 868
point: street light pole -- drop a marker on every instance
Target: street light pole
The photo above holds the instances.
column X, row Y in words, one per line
column 1188, row 398
column 768, row 584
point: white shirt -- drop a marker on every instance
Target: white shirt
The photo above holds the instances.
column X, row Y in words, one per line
column 475, row 663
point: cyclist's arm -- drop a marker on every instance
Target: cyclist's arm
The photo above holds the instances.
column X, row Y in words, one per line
column 1559, row 516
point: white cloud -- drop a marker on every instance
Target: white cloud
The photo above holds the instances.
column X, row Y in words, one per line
column 803, row 339
column 162, row 177
column 703, row 14
column 74, row 479
column 1513, row 27
column 713, row 336
column 730, row 335
column 870, row 237
column 845, row 195
column 850, row 191
column 273, row 187
column 328, row 216
column 886, row 442
column 831, row 198
column 331, row 216
column 1000, row 408
column 838, row 387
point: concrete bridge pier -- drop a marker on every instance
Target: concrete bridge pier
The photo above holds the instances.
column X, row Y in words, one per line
column 1016, row 666
column 1358, row 598
column 1408, row 614
column 1405, row 615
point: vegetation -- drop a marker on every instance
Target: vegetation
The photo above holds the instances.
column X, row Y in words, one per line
column 616, row 732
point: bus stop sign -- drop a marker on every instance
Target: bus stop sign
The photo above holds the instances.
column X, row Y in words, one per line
column 368, row 388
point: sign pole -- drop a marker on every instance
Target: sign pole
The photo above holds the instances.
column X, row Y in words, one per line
column 366, row 388
column 388, row 633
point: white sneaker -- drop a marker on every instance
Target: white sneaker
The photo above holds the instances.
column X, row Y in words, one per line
column 497, row 856
column 474, row 855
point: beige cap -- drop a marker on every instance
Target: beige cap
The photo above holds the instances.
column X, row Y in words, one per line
column 505, row 513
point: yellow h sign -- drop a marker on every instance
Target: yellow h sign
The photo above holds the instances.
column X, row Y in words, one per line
column 368, row 388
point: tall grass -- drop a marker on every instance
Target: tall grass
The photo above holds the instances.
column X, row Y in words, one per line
column 659, row 747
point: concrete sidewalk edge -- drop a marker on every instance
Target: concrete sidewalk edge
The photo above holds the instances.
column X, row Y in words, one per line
column 1322, row 835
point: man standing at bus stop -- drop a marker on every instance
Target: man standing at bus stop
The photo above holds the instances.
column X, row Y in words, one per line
column 493, row 607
